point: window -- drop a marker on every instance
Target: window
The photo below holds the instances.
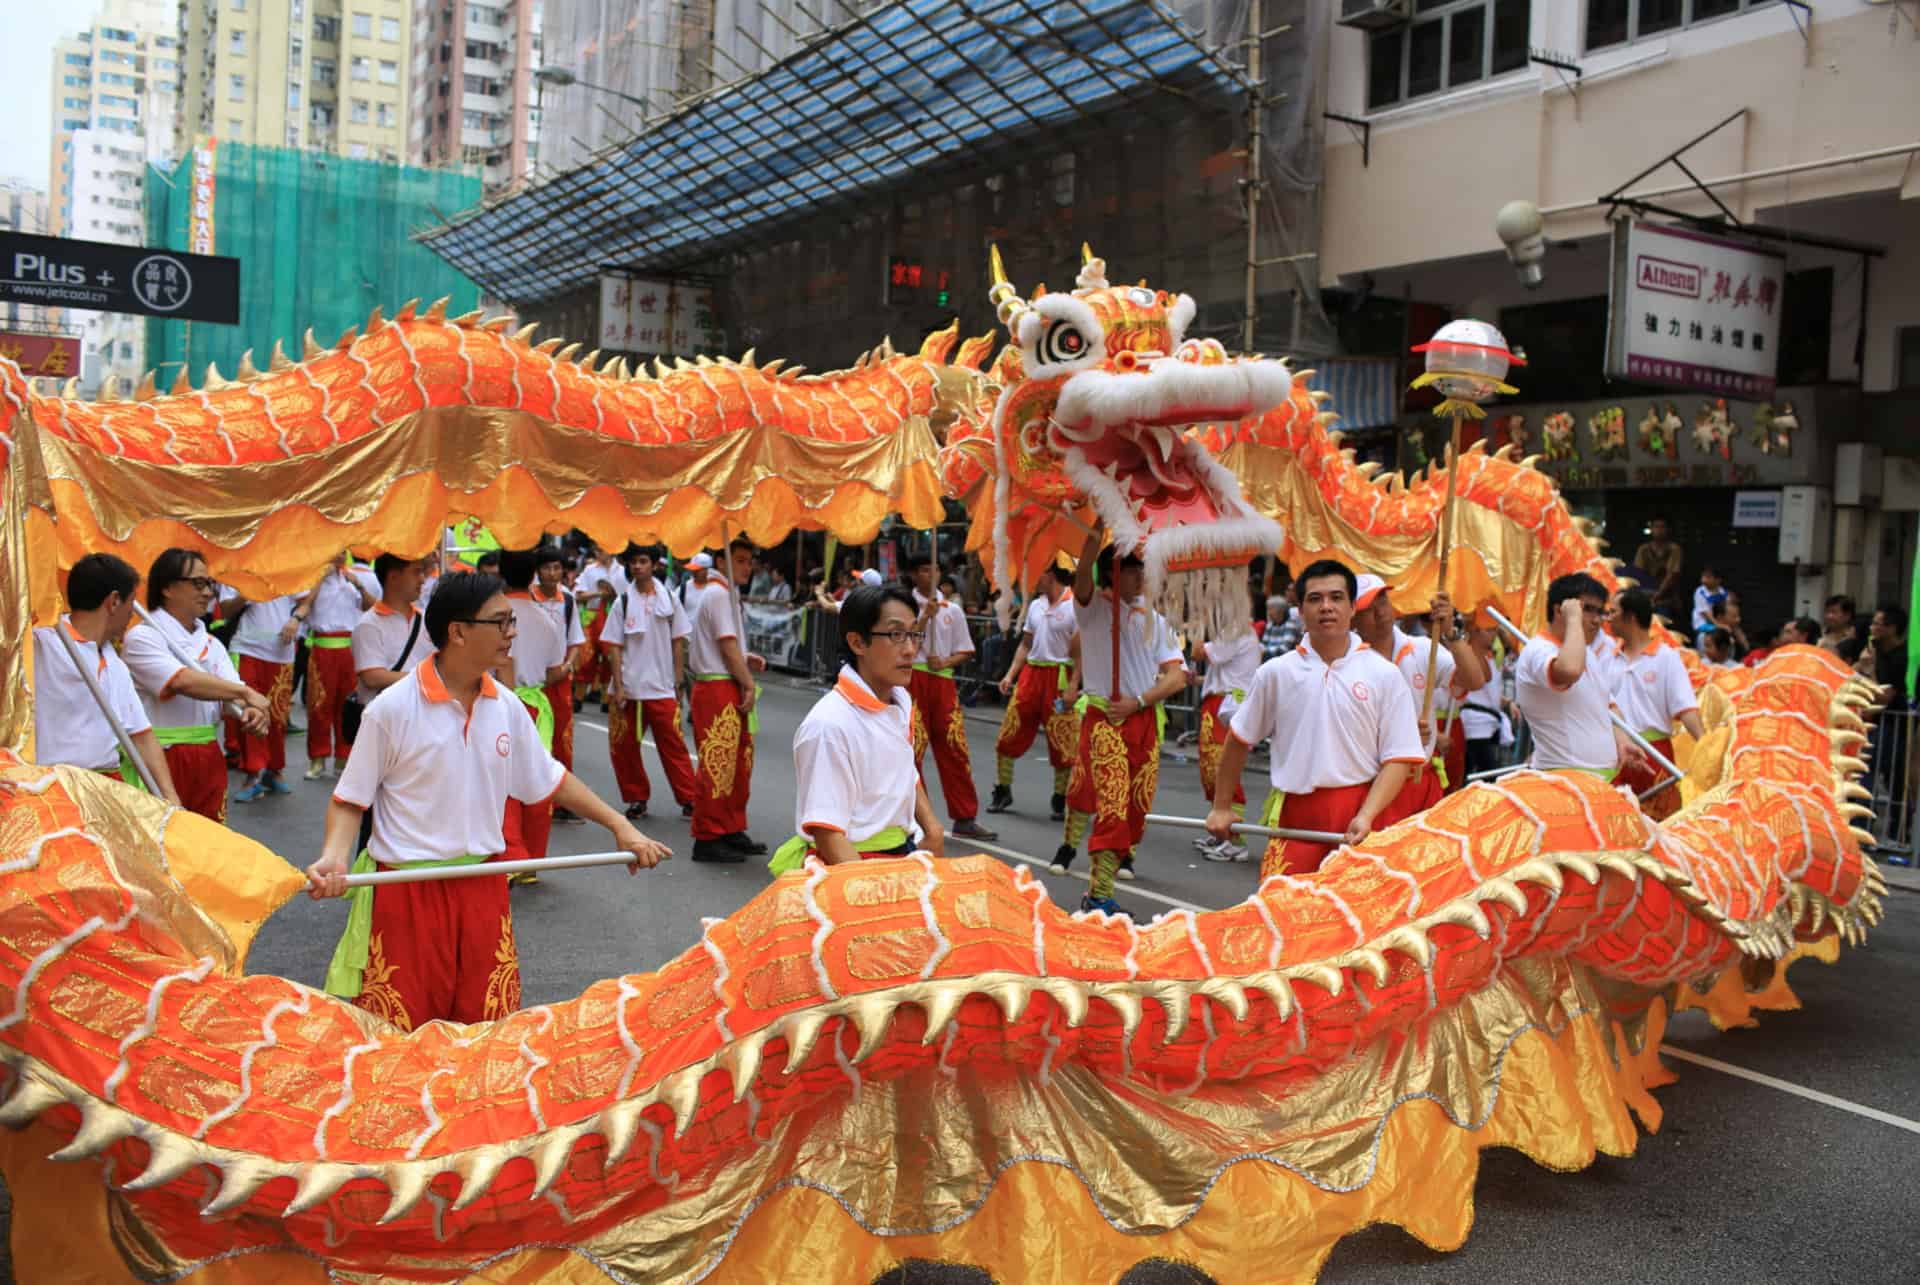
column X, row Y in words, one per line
column 363, row 24
column 325, row 70
column 474, row 120
column 321, row 115
column 1450, row 44
column 1617, row 22
column 326, row 28
column 293, row 98
column 358, row 151
column 77, row 60
column 478, row 85
column 361, row 68
column 359, row 114
column 239, row 6
column 237, row 89
column 482, row 50
column 383, row 115
column 390, row 29
column 389, row 72
column 237, row 43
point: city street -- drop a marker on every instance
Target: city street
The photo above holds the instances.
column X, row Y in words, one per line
column 1744, row 1182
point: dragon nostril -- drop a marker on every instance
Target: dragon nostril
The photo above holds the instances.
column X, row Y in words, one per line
column 1125, row 360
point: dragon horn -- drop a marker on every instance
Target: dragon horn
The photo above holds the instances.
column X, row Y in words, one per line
column 1001, row 294
column 1093, row 270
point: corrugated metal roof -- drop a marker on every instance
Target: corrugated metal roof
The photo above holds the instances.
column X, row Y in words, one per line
column 910, row 87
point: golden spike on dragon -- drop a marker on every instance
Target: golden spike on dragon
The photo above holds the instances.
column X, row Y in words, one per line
column 899, row 1059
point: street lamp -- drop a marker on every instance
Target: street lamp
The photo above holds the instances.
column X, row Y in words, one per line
column 560, row 77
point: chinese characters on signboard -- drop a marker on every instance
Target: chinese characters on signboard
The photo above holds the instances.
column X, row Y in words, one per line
column 1694, row 311
column 61, row 272
column 55, row 356
column 200, row 219
column 659, row 317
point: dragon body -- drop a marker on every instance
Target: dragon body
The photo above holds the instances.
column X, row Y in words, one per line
column 902, row 1058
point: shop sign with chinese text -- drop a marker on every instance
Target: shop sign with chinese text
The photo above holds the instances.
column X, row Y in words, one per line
column 671, row 319
column 1694, row 311
column 54, row 356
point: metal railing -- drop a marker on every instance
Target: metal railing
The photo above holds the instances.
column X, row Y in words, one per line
column 1890, row 776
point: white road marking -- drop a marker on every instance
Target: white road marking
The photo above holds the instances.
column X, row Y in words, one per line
column 1812, row 1095
column 645, row 741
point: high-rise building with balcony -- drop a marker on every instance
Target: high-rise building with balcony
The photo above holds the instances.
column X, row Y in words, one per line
column 474, row 95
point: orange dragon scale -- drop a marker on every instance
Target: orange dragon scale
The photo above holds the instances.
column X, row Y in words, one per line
column 898, row 1059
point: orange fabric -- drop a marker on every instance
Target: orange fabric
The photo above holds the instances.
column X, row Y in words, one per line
column 939, row 725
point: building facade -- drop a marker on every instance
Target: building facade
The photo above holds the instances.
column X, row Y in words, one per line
column 474, row 98
column 115, row 89
column 1801, row 119
column 317, row 75
column 23, row 208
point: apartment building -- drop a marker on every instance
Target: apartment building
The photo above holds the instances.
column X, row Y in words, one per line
column 115, row 88
column 475, row 100
column 320, row 75
column 1803, row 120
column 23, row 208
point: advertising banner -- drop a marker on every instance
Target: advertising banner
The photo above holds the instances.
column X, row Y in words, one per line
column 1694, row 311
column 60, row 272
column 55, row 356
column 200, row 213
column 670, row 319
column 778, row 631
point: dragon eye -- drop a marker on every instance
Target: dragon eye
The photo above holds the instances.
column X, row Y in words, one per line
column 1062, row 342
column 1142, row 296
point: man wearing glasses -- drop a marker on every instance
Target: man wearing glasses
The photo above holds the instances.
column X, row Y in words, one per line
column 441, row 751
column 1565, row 696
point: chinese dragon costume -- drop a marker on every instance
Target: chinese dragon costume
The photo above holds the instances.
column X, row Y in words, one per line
column 891, row 1061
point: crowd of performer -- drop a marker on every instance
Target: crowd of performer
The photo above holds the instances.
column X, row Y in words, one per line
column 430, row 688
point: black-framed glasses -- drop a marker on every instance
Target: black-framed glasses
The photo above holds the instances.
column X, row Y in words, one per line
column 506, row 624
column 205, row 584
column 901, row 637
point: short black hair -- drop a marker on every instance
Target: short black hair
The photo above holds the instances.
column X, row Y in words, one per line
column 1636, row 603
column 860, row 612
column 1842, row 601
column 488, row 561
column 458, row 597
column 1575, row 584
column 913, row 562
column 1849, row 648
column 1809, row 628
column 388, row 563
column 1330, row 567
column 1103, row 564
column 1721, row 638
column 548, row 553
column 169, row 569
column 1896, row 618
column 741, row 542
column 97, row 577
column 656, row 552
column 518, row 565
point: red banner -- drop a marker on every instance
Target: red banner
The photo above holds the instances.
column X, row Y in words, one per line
column 57, row 356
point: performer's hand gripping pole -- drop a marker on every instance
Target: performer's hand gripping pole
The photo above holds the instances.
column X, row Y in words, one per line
column 484, row 869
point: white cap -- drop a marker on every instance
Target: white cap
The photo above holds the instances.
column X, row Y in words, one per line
column 871, row 578
column 1366, row 588
column 701, row 562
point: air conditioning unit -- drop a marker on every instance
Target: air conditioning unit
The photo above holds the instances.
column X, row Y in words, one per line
column 1374, row 15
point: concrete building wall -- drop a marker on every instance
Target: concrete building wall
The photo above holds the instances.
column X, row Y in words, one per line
column 473, row 93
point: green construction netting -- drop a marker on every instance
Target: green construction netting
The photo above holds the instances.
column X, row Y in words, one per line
column 321, row 239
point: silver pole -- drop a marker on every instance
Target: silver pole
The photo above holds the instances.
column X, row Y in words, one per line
column 1241, row 827
column 487, row 868
column 1673, row 773
column 106, row 710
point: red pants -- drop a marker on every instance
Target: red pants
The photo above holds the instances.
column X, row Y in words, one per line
column 593, row 669
column 1421, row 791
column 1456, row 753
column 267, row 753
column 662, row 718
column 1667, row 802
column 560, row 696
column 527, row 826
column 937, row 720
column 442, row 951
column 726, row 759
column 200, row 779
column 1213, row 739
column 1115, row 775
column 330, row 680
column 1331, row 809
column 1030, row 711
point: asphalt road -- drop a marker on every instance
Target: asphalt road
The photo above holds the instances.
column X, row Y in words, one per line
column 1744, row 1182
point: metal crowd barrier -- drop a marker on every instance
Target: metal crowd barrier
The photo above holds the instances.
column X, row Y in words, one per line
column 1890, row 776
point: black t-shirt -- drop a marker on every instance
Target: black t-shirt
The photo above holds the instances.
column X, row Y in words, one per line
column 1890, row 670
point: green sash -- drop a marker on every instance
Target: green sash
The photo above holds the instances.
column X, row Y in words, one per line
column 937, row 673
column 349, row 965
column 207, row 734
column 753, row 715
column 329, row 644
column 1102, row 703
column 542, row 713
column 792, row 854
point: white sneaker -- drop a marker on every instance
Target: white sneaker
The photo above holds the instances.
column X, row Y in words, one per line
column 1205, row 841
column 1229, row 852
column 316, row 768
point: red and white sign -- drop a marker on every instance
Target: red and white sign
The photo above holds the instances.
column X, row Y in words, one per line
column 658, row 317
column 1694, row 311
column 200, row 216
column 55, row 356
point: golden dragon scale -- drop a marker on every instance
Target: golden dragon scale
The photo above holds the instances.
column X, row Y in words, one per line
column 918, row 1059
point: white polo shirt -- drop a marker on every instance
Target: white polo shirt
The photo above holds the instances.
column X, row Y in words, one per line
column 1652, row 690
column 853, row 762
column 441, row 774
column 565, row 612
column 1570, row 725
column 537, row 641
column 336, row 602
column 1604, row 657
column 67, row 725
column 380, row 637
column 1230, row 668
column 643, row 628
column 1410, row 658
column 1052, row 626
column 1331, row 725
column 947, row 634
column 258, row 634
column 1146, row 643
column 155, row 666
column 711, row 611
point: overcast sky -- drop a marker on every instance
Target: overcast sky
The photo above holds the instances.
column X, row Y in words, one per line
column 27, row 32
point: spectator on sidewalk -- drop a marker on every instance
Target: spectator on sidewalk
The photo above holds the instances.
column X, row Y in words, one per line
column 1842, row 622
column 1659, row 559
column 1707, row 597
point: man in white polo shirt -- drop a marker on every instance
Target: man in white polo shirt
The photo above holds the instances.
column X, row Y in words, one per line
column 441, row 752
column 387, row 645
column 342, row 596
column 1561, row 685
column 68, row 726
column 856, row 794
column 264, row 643
column 939, row 724
column 1231, row 665
column 1342, row 721
column 1652, row 692
column 539, row 663
column 724, row 721
column 645, row 637
column 1038, row 685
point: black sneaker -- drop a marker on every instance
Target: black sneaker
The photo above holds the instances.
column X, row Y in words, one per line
column 1002, row 798
column 686, row 811
column 635, row 811
column 969, row 828
column 717, row 851
column 742, row 842
column 563, row 817
column 1059, row 805
column 1063, row 859
column 1126, row 869
column 1106, row 905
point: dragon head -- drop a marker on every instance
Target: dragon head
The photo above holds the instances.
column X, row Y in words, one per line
column 1100, row 387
